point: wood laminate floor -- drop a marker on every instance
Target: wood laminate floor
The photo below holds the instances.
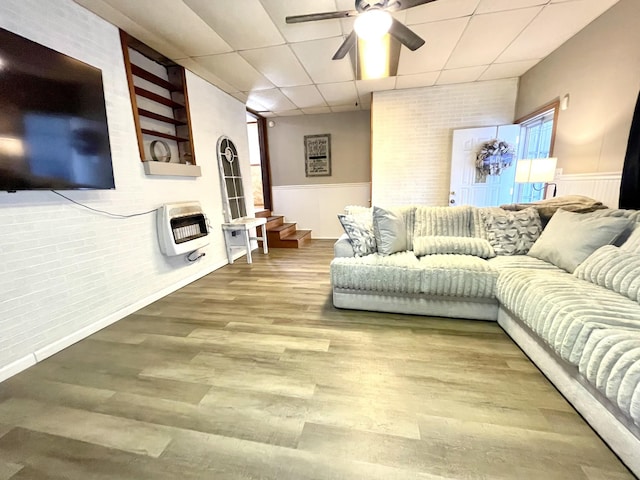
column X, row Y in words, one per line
column 250, row 373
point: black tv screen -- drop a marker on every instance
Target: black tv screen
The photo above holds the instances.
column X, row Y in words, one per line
column 53, row 121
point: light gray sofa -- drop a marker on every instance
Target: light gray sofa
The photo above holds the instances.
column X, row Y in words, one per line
column 582, row 329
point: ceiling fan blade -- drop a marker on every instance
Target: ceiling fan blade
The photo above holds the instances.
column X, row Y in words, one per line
column 347, row 45
column 404, row 4
column 405, row 35
column 312, row 17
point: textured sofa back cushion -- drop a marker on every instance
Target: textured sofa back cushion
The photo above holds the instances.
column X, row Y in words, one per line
column 512, row 233
column 632, row 244
column 443, row 221
column 570, row 238
column 433, row 245
column 613, row 268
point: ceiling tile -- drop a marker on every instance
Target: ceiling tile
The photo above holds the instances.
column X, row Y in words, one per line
column 288, row 113
column 343, row 93
column 224, row 16
column 417, row 80
column 555, row 25
column 507, row 70
column 160, row 16
column 279, row 65
column 441, row 10
column 365, row 87
column 271, row 99
column 235, row 70
column 441, row 38
column 345, row 108
column 490, row 6
column 301, row 32
column 488, row 35
column 306, row 96
column 460, row 75
column 316, row 59
column 316, row 110
column 193, row 66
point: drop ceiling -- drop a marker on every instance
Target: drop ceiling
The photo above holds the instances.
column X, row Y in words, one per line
column 246, row 49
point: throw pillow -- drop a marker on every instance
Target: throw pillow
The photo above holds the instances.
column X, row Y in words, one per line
column 390, row 231
column 571, row 237
column 512, row 233
column 432, row 245
column 632, row 243
column 613, row 268
column 359, row 228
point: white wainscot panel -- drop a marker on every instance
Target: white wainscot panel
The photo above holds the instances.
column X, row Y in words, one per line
column 315, row 207
column 604, row 187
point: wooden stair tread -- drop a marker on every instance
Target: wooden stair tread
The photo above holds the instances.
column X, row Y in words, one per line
column 263, row 214
column 279, row 228
column 297, row 235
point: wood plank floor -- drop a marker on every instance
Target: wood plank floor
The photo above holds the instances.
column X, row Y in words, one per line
column 250, row 373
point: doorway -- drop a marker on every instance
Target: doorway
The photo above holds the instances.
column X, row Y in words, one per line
column 259, row 160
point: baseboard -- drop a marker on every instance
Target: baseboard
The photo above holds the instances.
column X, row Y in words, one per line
column 59, row 345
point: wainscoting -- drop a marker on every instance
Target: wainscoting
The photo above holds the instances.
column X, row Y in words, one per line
column 604, row 187
column 315, row 207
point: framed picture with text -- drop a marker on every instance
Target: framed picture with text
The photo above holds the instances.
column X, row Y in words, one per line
column 317, row 155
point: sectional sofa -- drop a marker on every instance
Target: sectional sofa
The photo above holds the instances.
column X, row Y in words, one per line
column 567, row 293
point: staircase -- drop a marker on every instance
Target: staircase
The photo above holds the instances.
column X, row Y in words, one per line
column 281, row 234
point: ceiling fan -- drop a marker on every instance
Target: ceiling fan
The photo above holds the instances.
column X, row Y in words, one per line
column 372, row 18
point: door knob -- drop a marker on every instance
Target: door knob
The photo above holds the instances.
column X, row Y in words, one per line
column 452, row 201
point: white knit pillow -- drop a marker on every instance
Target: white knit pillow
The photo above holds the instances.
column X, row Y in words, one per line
column 432, row 245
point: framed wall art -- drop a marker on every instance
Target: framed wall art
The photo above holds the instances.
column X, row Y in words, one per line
column 317, row 155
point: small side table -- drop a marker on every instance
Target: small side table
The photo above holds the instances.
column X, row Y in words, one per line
column 236, row 235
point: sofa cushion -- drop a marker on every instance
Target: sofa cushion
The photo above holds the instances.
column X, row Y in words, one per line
column 562, row 309
column 613, row 268
column 611, row 362
column 443, row 221
column 430, row 245
column 512, row 233
column 390, row 231
column 457, row 276
column 397, row 273
column 570, row 238
column 632, row 243
column 359, row 228
column 504, row 262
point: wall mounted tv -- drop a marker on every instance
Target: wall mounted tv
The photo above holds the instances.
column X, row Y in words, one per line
column 53, row 121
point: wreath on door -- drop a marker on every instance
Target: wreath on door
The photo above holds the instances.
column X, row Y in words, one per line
column 493, row 157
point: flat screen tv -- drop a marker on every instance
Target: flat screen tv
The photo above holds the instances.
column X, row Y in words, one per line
column 53, row 121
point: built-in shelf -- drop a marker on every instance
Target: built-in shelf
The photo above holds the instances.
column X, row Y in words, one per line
column 161, row 118
column 169, row 90
column 171, row 169
column 168, row 136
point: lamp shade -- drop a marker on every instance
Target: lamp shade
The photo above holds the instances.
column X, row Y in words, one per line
column 536, row 170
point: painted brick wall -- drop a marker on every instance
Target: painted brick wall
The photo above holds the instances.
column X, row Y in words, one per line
column 412, row 132
column 65, row 271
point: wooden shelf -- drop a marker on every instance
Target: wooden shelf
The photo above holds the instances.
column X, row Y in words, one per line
column 163, row 135
column 157, row 98
column 171, row 169
column 161, row 118
column 150, row 77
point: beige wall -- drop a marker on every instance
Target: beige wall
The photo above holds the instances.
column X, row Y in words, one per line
column 600, row 69
column 350, row 148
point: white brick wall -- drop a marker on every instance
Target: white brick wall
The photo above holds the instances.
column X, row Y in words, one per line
column 65, row 271
column 412, row 132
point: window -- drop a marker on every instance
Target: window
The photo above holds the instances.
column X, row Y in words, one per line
column 537, row 134
column 231, row 179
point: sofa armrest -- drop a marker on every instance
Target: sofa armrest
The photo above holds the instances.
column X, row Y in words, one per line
column 342, row 247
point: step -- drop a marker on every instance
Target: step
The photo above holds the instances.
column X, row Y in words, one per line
column 295, row 240
column 281, row 231
column 262, row 214
column 272, row 221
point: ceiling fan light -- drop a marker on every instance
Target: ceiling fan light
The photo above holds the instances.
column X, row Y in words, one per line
column 372, row 24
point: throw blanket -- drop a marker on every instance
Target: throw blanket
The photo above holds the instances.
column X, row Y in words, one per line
column 546, row 208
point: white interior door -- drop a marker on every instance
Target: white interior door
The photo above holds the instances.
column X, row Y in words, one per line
column 464, row 189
